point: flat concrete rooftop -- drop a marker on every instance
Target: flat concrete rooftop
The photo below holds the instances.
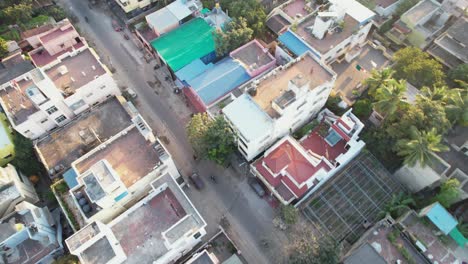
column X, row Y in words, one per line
column 130, row 155
column 17, row 103
column 329, row 40
column 66, row 145
column 74, row 72
column 307, row 70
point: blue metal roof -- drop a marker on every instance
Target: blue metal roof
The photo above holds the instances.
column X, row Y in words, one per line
column 441, row 218
column 192, row 70
column 70, row 178
column 294, row 44
column 219, row 80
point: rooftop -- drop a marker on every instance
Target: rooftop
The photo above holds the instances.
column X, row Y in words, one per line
column 74, row 72
column 14, row 67
column 420, row 10
column 456, row 39
column 329, row 40
column 385, row 3
column 258, row 125
column 253, row 57
column 277, row 23
column 130, row 168
column 41, row 57
column 306, row 70
column 366, row 254
column 36, row 31
column 163, row 19
column 174, row 48
column 296, row 9
column 63, row 146
column 146, row 230
column 18, row 101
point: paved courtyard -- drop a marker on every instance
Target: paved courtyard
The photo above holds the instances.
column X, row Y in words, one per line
column 349, row 77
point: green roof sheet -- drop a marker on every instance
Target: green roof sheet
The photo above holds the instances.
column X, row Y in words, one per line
column 189, row 42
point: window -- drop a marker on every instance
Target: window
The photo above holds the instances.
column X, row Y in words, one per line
column 322, row 90
column 51, row 110
column 27, row 132
column 347, row 44
column 89, row 95
column 44, row 120
column 339, row 50
column 301, row 105
column 60, row 119
column 102, row 87
column 243, row 143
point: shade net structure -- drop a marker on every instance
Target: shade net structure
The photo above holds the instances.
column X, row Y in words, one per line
column 348, row 204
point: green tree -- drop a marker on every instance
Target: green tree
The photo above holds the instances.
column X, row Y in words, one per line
column 307, row 249
column 19, row 13
column 362, row 108
column 420, row 147
column 378, row 79
column 390, row 98
column 449, row 193
column 219, row 141
column 211, row 138
column 3, row 48
column 196, row 130
column 417, row 67
column 67, row 259
column 25, row 159
column 235, row 34
column 251, row 10
column 459, row 73
column 454, row 101
column 397, row 206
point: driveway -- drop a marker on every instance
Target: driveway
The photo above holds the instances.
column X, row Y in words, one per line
column 250, row 218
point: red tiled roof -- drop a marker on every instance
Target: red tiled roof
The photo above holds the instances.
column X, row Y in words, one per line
column 297, row 166
column 36, row 31
column 274, row 181
column 343, row 123
column 317, row 144
column 43, row 58
column 293, row 187
column 56, row 33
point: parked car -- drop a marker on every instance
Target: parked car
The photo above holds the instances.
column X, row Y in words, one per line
column 116, row 26
column 257, row 187
column 197, row 181
column 131, row 93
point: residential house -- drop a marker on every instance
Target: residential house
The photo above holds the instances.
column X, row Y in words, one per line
column 160, row 228
column 385, row 8
column 30, row 235
column 278, row 103
column 133, row 7
column 204, row 84
column 292, row 169
column 172, row 15
column 14, row 189
column 419, row 25
column 444, row 166
column 450, row 47
column 333, row 34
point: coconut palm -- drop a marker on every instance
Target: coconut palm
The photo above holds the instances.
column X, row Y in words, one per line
column 378, row 78
column 390, row 97
column 397, row 206
column 421, row 147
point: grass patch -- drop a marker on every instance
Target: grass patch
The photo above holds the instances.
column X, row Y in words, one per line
column 12, row 34
column 36, row 22
column 60, row 188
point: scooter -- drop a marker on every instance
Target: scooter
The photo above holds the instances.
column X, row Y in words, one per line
column 86, row 19
column 213, row 179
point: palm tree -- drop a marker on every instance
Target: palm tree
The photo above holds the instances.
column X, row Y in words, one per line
column 390, row 97
column 378, row 79
column 421, row 147
column 455, row 101
column 397, row 206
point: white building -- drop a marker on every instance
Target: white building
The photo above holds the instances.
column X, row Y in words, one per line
column 129, row 6
column 160, row 228
column 278, row 103
column 14, row 189
column 30, row 235
column 118, row 172
column 293, row 169
column 333, row 34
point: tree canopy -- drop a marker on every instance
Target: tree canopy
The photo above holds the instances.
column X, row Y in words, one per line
column 306, row 248
column 417, row 67
column 17, row 13
column 459, row 73
column 3, row 48
column 211, row 138
column 235, row 34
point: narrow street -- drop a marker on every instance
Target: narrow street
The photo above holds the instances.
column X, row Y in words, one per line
column 249, row 217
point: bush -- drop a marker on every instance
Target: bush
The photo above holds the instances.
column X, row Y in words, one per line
column 362, row 108
column 304, row 130
column 332, row 105
column 289, row 214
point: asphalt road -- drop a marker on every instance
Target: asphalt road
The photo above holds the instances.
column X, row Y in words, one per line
column 249, row 217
